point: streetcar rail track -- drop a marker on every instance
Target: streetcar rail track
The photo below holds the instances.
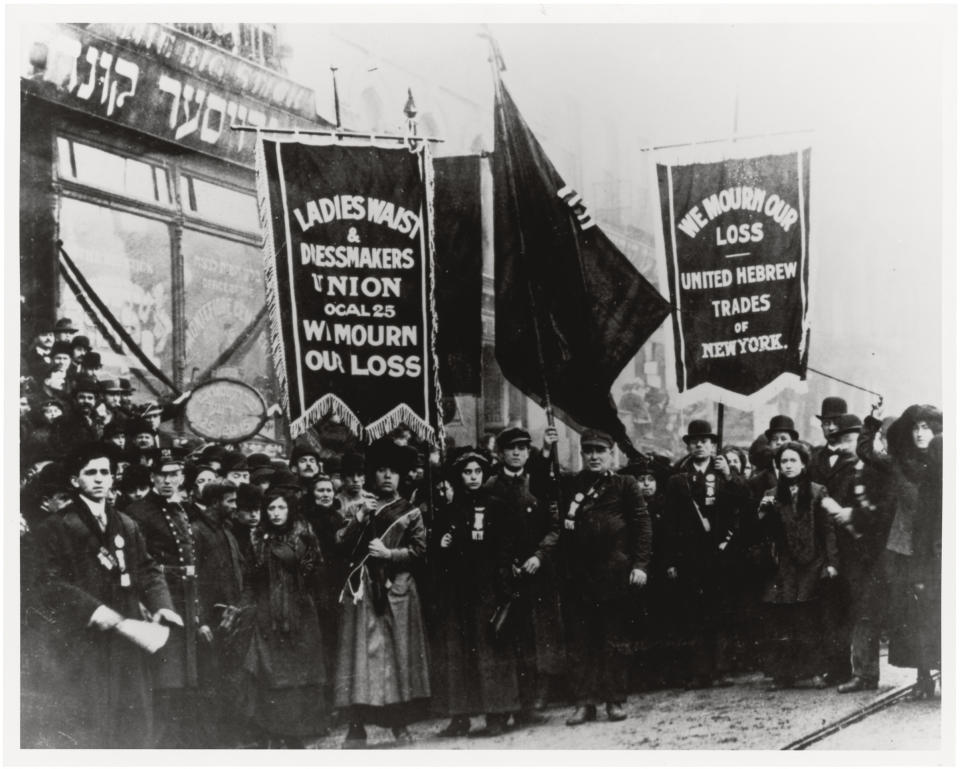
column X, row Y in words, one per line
column 882, row 703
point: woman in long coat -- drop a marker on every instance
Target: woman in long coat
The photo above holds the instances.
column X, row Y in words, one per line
column 284, row 661
column 382, row 671
column 914, row 466
column 793, row 519
column 473, row 549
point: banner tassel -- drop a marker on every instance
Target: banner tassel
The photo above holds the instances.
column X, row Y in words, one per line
column 400, row 415
column 328, row 404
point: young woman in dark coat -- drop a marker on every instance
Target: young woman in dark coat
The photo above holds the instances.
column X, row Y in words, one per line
column 913, row 466
column 284, row 662
column 473, row 549
column 793, row 517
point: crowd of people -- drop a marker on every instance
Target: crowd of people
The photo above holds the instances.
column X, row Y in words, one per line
column 217, row 599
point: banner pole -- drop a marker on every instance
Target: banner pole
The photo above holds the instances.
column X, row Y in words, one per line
column 497, row 65
column 719, row 428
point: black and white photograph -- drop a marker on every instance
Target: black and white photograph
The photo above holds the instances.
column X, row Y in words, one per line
column 484, row 378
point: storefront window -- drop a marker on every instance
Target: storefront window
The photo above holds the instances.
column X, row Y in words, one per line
column 90, row 165
column 219, row 204
column 126, row 260
column 223, row 282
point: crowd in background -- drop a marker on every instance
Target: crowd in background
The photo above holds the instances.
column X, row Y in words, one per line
column 321, row 592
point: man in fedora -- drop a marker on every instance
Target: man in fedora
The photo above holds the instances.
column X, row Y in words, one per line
column 606, row 544
column 825, row 456
column 703, row 505
column 64, row 330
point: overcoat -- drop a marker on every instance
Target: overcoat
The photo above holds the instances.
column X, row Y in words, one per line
column 166, row 530
column 382, row 656
column 101, row 682
column 805, row 542
column 542, row 644
column 472, row 672
column 286, row 649
column 914, row 538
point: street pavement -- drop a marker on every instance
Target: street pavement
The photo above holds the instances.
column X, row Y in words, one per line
column 742, row 717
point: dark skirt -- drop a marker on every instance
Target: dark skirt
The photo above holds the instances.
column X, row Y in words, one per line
column 913, row 616
column 792, row 644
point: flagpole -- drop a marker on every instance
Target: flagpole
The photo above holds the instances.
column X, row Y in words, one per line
column 496, row 62
column 497, row 66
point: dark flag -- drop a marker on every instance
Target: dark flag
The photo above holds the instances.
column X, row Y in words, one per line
column 459, row 246
column 571, row 310
column 736, row 235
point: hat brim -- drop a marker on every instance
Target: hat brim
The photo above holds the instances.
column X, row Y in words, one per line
column 599, row 444
column 846, row 430
column 794, row 435
column 688, row 438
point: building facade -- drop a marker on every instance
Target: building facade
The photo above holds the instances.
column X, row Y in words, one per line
column 131, row 161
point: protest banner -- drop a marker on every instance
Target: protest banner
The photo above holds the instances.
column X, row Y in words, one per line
column 736, row 235
column 348, row 260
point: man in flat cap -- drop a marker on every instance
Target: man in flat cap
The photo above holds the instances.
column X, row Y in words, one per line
column 542, row 658
column 93, row 571
column 704, row 503
column 606, row 543
column 166, row 529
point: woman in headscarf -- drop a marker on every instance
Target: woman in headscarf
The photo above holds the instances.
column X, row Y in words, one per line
column 473, row 548
column 382, row 672
column 793, row 519
column 284, row 661
column 913, row 466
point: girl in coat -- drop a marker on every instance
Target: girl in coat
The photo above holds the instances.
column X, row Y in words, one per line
column 913, row 466
column 284, row 662
column 794, row 520
column 382, row 672
column 473, row 549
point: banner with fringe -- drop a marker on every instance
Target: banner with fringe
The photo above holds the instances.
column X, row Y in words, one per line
column 350, row 274
column 736, row 235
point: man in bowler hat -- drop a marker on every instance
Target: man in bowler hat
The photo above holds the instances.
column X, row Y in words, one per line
column 704, row 502
column 825, row 456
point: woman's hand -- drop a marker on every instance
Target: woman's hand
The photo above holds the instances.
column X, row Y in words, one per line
column 638, row 578
column 377, row 549
column 446, row 540
column 876, row 410
column 721, row 465
column 830, row 572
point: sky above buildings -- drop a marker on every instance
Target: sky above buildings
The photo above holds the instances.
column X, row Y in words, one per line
column 873, row 95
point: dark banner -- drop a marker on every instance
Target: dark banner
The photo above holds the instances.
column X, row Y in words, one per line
column 348, row 264
column 459, row 248
column 736, row 236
